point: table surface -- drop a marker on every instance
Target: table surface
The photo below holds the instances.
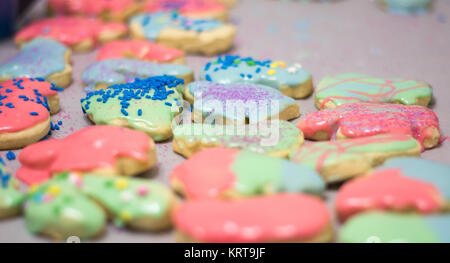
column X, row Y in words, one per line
column 326, row 38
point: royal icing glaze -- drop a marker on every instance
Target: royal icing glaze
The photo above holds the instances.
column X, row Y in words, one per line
column 139, row 49
column 365, row 119
column 381, row 227
column 58, row 207
column 283, row 217
column 268, row 138
column 96, row 147
column 185, row 7
column 147, row 105
column 324, row 154
column 154, row 23
column 401, row 184
column 69, row 30
column 23, row 103
column 218, row 171
column 257, row 99
column 10, row 197
column 353, row 87
column 39, row 58
column 88, row 7
column 406, row 6
column 236, row 69
column 114, row 71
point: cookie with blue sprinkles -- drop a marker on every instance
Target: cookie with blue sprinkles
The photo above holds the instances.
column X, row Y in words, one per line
column 25, row 108
column 291, row 80
column 148, row 105
column 204, row 36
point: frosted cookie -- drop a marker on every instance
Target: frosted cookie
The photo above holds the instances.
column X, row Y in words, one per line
column 402, row 185
column 102, row 150
column 108, row 10
column 292, row 81
column 354, row 120
column 278, row 218
column 230, row 173
column 276, row 138
column 246, row 103
column 205, row 36
column 336, row 90
column 196, row 9
column 379, row 227
column 25, row 107
column 80, row 34
column 341, row 160
column 102, row 74
column 228, row 3
column 139, row 204
column 148, row 105
column 405, row 7
column 11, row 198
column 141, row 49
column 59, row 210
column 40, row 58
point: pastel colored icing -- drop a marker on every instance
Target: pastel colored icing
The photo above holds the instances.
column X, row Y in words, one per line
column 253, row 96
column 322, row 154
column 154, row 23
column 10, row 197
column 91, row 148
column 184, row 7
column 129, row 199
column 272, row 137
column 283, row 217
column 139, row 49
column 146, row 105
column 236, row 69
column 114, row 71
column 69, row 30
column 365, row 119
column 218, row 171
column 354, row 87
column 23, row 103
column 88, row 7
column 39, row 58
column 406, row 6
column 379, row 227
column 58, row 207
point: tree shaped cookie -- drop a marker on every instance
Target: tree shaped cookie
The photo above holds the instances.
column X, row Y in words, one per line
column 238, row 103
column 336, row 90
column 107, row 72
column 354, row 120
column 292, row 81
column 104, row 150
column 41, row 58
column 147, row 105
column 25, row 107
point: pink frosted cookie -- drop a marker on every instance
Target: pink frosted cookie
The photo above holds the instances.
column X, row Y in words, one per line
column 99, row 149
column 278, row 218
column 80, row 34
column 141, row 49
column 196, row 9
column 400, row 185
column 116, row 10
column 354, row 120
column 25, row 107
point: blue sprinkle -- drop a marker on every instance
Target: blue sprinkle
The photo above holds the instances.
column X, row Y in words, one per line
column 249, row 76
column 139, row 112
column 34, row 113
column 242, row 75
column 8, row 91
column 124, row 112
column 258, row 70
column 208, row 78
column 10, row 156
column 168, row 103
